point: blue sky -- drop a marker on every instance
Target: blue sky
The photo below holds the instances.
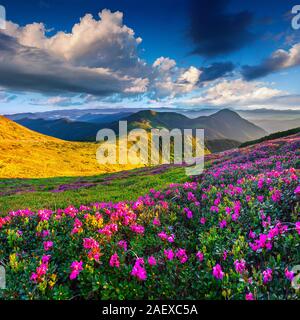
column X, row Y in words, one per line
column 241, row 54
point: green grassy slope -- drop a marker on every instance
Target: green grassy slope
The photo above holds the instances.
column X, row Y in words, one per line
column 60, row 192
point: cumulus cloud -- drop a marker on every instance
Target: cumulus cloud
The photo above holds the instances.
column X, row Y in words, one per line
column 279, row 60
column 103, row 43
column 215, row 31
column 237, row 93
column 171, row 81
column 97, row 57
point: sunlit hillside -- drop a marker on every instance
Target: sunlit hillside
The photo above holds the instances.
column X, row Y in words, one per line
column 27, row 154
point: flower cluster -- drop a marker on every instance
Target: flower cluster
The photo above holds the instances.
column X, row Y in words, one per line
column 233, row 232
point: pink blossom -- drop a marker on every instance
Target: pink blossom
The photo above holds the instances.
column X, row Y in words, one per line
column 276, row 196
column 214, row 209
column 298, row 227
column 200, row 256
column 46, row 259
column 123, row 244
column 152, row 261
column 76, row 268
column 89, row 243
column 77, row 225
column 156, row 222
column 114, row 260
column 45, row 233
column 223, row 224
column 169, row 254
column 163, row 235
column 249, row 296
column 217, row 272
column 228, row 210
column 260, row 183
column 181, row 255
column 188, row 212
column 240, row 266
column 267, row 275
column 138, row 269
column 252, row 234
column 137, row 229
column 260, row 198
column 47, row 245
column 191, row 196
column 202, row 220
column 289, row 274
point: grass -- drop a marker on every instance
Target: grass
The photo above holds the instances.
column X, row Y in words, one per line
column 35, row 194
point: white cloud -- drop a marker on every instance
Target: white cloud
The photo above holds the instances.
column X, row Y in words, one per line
column 164, row 64
column 238, row 93
column 279, row 60
column 97, row 57
column 103, row 43
column 171, row 81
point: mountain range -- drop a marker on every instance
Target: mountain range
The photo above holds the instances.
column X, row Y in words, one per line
column 225, row 125
column 270, row 120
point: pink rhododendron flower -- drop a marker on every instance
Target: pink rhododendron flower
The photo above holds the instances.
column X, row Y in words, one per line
column 181, row 255
column 77, row 226
column 114, row 260
column 260, row 198
column 138, row 269
column 298, row 227
column 252, row 234
column 47, row 245
column 223, row 224
column 137, row 229
column 169, row 254
column 297, row 190
column 289, row 274
column 109, row 229
column 46, row 259
column 45, row 233
column 188, row 212
column 240, row 266
column 202, row 220
column 267, row 275
column 249, row 296
column 276, row 196
column 94, row 249
column 191, row 196
column 123, row 244
column 200, row 256
column 152, row 261
column 217, row 272
column 156, row 222
column 214, row 209
column 41, row 270
column 260, row 183
column 76, row 268
column 163, row 235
